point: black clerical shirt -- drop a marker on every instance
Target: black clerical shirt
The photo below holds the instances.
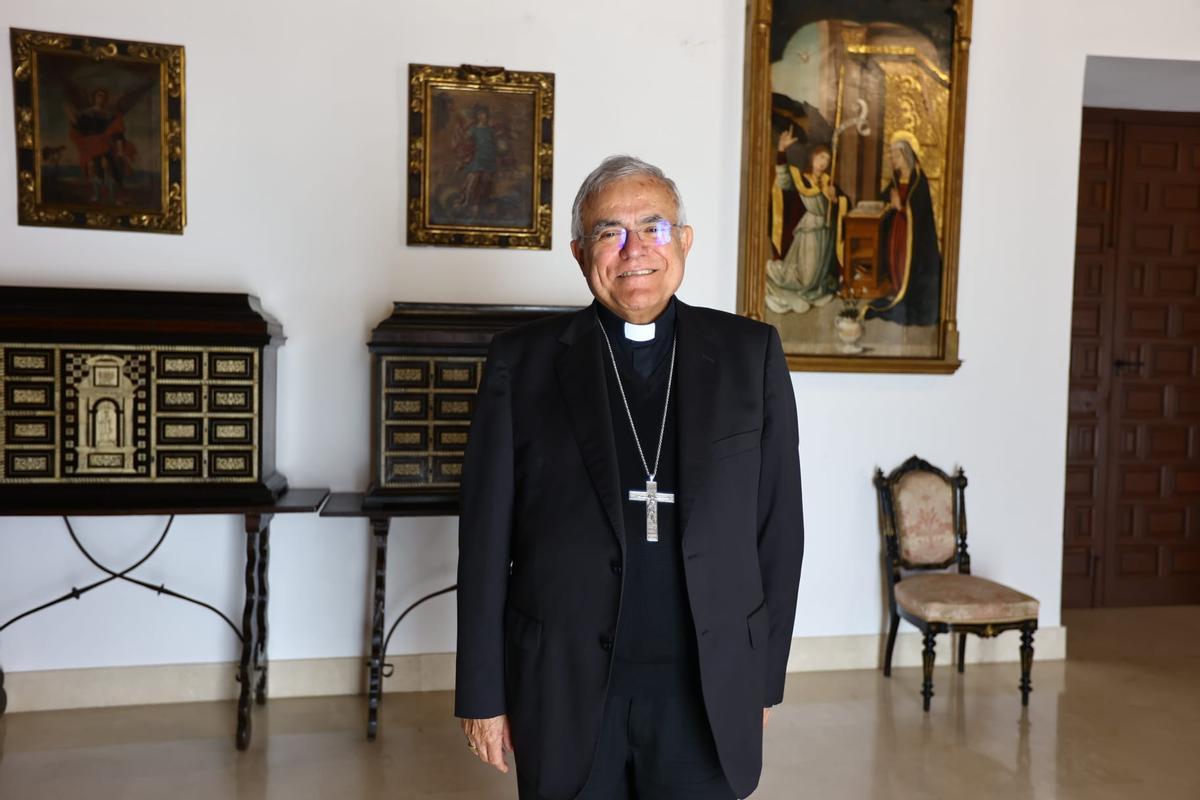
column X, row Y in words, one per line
column 654, row 653
column 644, row 358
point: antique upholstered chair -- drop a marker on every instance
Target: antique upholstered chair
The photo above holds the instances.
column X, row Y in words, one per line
column 923, row 520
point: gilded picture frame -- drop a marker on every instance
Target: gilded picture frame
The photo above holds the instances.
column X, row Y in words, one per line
column 99, row 132
column 853, row 130
column 480, row 157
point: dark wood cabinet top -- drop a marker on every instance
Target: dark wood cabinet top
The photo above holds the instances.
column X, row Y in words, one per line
column 53, row 314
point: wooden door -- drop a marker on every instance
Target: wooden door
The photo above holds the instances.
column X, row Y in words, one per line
column 1091, row 353
column 1153, row 556
column 1133, row 488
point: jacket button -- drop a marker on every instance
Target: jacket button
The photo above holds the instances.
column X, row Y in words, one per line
column 616, row 567
column 605, row 643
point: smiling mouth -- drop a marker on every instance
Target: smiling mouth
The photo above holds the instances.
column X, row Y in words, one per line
column 636, row 273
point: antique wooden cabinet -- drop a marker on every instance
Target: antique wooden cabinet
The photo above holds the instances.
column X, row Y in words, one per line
column 426, row 364
column 136, row 399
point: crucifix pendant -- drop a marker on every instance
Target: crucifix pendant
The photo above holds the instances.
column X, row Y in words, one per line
column 651, row 497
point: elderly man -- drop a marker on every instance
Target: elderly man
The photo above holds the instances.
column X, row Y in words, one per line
column 631, row 530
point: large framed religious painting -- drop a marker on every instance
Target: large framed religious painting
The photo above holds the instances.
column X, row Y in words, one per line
column 100, row 132
column 480, row 156
column 852, row 170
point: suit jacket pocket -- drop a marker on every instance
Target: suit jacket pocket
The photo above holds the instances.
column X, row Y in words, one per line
column 521, row 629
column 758, row 626
column 736, row 443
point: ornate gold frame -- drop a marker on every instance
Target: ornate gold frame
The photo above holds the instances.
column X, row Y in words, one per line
column 422, row 77
column 758, row 174
column 171, row 216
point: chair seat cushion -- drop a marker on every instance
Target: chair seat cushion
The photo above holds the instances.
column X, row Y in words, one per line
column 963, row 599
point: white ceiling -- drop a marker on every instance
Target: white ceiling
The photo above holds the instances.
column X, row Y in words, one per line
column 1142, row 83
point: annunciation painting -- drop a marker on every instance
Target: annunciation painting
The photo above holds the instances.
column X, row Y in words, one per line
column 481, row 156
column 851, row 182
column 100, row 132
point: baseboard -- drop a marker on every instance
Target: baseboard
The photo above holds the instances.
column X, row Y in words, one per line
column 829, row 653
column 48, row 690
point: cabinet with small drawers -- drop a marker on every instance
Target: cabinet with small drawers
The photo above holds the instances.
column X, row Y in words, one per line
column 426, row 366
column 120, row 398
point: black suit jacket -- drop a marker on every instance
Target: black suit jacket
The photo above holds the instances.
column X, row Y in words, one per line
column 541, row 537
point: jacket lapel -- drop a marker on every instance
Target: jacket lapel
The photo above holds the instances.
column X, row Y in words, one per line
column 580, row 371
column 698, row 376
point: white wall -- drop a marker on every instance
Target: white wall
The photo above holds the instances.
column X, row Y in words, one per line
column 296, row 166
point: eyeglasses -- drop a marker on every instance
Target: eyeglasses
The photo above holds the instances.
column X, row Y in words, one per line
column 613, row 237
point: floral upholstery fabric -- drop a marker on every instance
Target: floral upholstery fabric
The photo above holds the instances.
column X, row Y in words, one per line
column 954, row 598
column 924, row 506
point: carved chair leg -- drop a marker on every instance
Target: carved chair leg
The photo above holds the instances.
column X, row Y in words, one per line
column 962, row 651
column 891, row 644
column 927, row 656
column 1026, row 663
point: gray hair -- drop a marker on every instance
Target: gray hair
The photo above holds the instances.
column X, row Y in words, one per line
column 613, row 169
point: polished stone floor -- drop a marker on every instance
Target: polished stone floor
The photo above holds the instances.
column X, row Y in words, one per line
column 1120, row 720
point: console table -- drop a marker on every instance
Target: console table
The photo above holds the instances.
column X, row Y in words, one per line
column 253, row 631
column 350, row 504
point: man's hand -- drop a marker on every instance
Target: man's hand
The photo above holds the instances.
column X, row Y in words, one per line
column 490, row 740
column 766, row 714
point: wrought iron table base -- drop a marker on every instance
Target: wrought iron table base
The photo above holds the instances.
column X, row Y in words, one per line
column 253, row 663
column 351, row 505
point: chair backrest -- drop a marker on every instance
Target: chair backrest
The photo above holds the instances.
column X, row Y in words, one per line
column 921, row 515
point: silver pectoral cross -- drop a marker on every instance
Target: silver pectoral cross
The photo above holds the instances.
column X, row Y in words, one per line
column 651, row 497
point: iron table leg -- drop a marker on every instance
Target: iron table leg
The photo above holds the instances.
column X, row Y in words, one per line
column 255, row 524
column 264, row 557
column 379, row 529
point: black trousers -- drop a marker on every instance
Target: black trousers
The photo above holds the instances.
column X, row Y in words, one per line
column 652, row 748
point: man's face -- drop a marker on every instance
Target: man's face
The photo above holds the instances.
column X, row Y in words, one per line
column 634, row 279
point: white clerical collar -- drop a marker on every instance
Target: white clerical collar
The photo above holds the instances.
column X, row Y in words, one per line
column 639, row 333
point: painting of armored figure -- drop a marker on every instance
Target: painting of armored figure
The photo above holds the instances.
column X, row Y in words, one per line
column 100, row 126
column 481, row 154
column 99, row 132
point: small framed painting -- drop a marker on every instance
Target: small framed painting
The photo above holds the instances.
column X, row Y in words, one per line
column 481, row 156
column 100, row 132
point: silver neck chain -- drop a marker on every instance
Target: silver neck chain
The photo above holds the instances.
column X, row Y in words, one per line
column 621, row 388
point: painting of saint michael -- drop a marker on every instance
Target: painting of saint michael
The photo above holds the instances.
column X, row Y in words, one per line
column 100, row 132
